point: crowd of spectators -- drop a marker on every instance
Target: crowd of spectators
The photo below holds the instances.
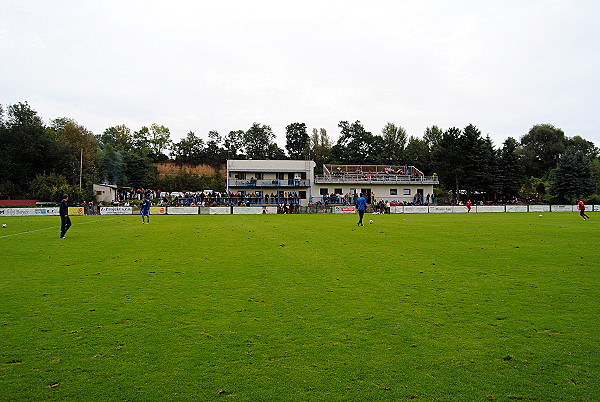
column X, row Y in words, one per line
column 371, row 175
column 208, row 198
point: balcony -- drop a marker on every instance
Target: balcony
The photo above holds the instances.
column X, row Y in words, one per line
column 379, row 178
column 272, row 183
column 380, row 174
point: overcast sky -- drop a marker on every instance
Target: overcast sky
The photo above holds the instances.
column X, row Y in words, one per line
column 503, row 66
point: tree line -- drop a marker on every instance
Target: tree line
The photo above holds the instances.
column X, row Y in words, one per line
column 42, row 161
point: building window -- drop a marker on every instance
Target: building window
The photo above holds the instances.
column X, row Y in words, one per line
column 338, row 191
column 302, row 195
column 259, row 176
column 406, row 191
column 324, row 191
column 393, row 191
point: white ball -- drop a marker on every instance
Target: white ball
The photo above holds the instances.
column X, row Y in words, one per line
column 540, row 216
column 371, row 221
column 4, row 225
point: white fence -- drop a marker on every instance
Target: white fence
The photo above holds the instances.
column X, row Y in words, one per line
column 256, row 210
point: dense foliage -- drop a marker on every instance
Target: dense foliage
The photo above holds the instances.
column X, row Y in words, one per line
column 45, row 160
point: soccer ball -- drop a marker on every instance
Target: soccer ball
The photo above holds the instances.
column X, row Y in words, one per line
column 540, row 216
column 371, row 221
column 4, row 225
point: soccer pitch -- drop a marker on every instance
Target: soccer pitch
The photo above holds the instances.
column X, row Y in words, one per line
column 500, row 306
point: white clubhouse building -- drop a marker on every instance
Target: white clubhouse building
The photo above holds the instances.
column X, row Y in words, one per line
column 282, row 177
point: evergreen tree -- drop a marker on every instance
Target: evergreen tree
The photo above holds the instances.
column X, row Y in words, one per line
column 510, row 172
column 573, row 178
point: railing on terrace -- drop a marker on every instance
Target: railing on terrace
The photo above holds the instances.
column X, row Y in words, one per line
column 269, row 182
column 375, row 177
column 330, row 170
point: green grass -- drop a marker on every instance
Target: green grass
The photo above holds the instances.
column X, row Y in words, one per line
column 301, row 307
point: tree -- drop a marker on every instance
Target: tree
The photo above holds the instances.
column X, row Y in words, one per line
column 79, row 157
column 214, row 154
column 394, row 142
column 357, row 145
column 257, row 140
column 160, row 140
column 433, row 136
column 478, row 161
column 510, row 172
column 573, row 178
column 189, row 149
column 578, row 144
column 320, row 148
column 416, row 152
column 140, row 141
column 138, row 172
column 234, row 143
column 296, row 140
column 542, row 146
column 275, row 152
column 46, row 187
column 115, row 143
column 449, row 158
column 26, row 150
column 119, row 137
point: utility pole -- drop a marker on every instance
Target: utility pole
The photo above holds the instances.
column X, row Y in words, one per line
column 80, row 168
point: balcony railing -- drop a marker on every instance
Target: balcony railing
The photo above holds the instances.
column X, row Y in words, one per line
column 269, row 183
column 381, row 178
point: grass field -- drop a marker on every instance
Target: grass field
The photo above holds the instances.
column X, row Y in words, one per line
column 441, row 307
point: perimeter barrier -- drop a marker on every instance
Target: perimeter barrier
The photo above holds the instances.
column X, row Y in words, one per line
column 313, row 209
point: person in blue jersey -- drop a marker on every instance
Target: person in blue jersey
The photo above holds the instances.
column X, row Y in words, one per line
column 65, row 221
column 145, row 210
column 361, row 206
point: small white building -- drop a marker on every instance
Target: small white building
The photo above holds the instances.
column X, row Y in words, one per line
column 287, row 178
column 107, row 193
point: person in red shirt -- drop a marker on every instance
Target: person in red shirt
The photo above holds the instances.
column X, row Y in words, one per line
column 469, row 204
column 581, row 207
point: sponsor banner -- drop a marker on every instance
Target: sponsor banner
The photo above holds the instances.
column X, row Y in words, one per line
column 409, row 209
column 215, row 210
column 345, row 209
column 158, row 210
column 397, row 209
column 77, row 211
column 516, row 208
column 270, row 210
column 116, row 210
column 490, row 208
column 461, row 209
column 440, row 209
column 539, row 208
column 28, row 211
column 594, row 207
column 247, row 210
column 182, row 210
column 562, row 208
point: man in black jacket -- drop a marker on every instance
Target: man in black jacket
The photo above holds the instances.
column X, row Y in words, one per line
column 65, row 221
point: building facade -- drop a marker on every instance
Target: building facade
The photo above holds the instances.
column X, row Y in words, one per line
column 295, row 180
column 280, row 180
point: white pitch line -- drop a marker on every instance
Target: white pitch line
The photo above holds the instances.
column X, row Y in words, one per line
column 52, row 227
